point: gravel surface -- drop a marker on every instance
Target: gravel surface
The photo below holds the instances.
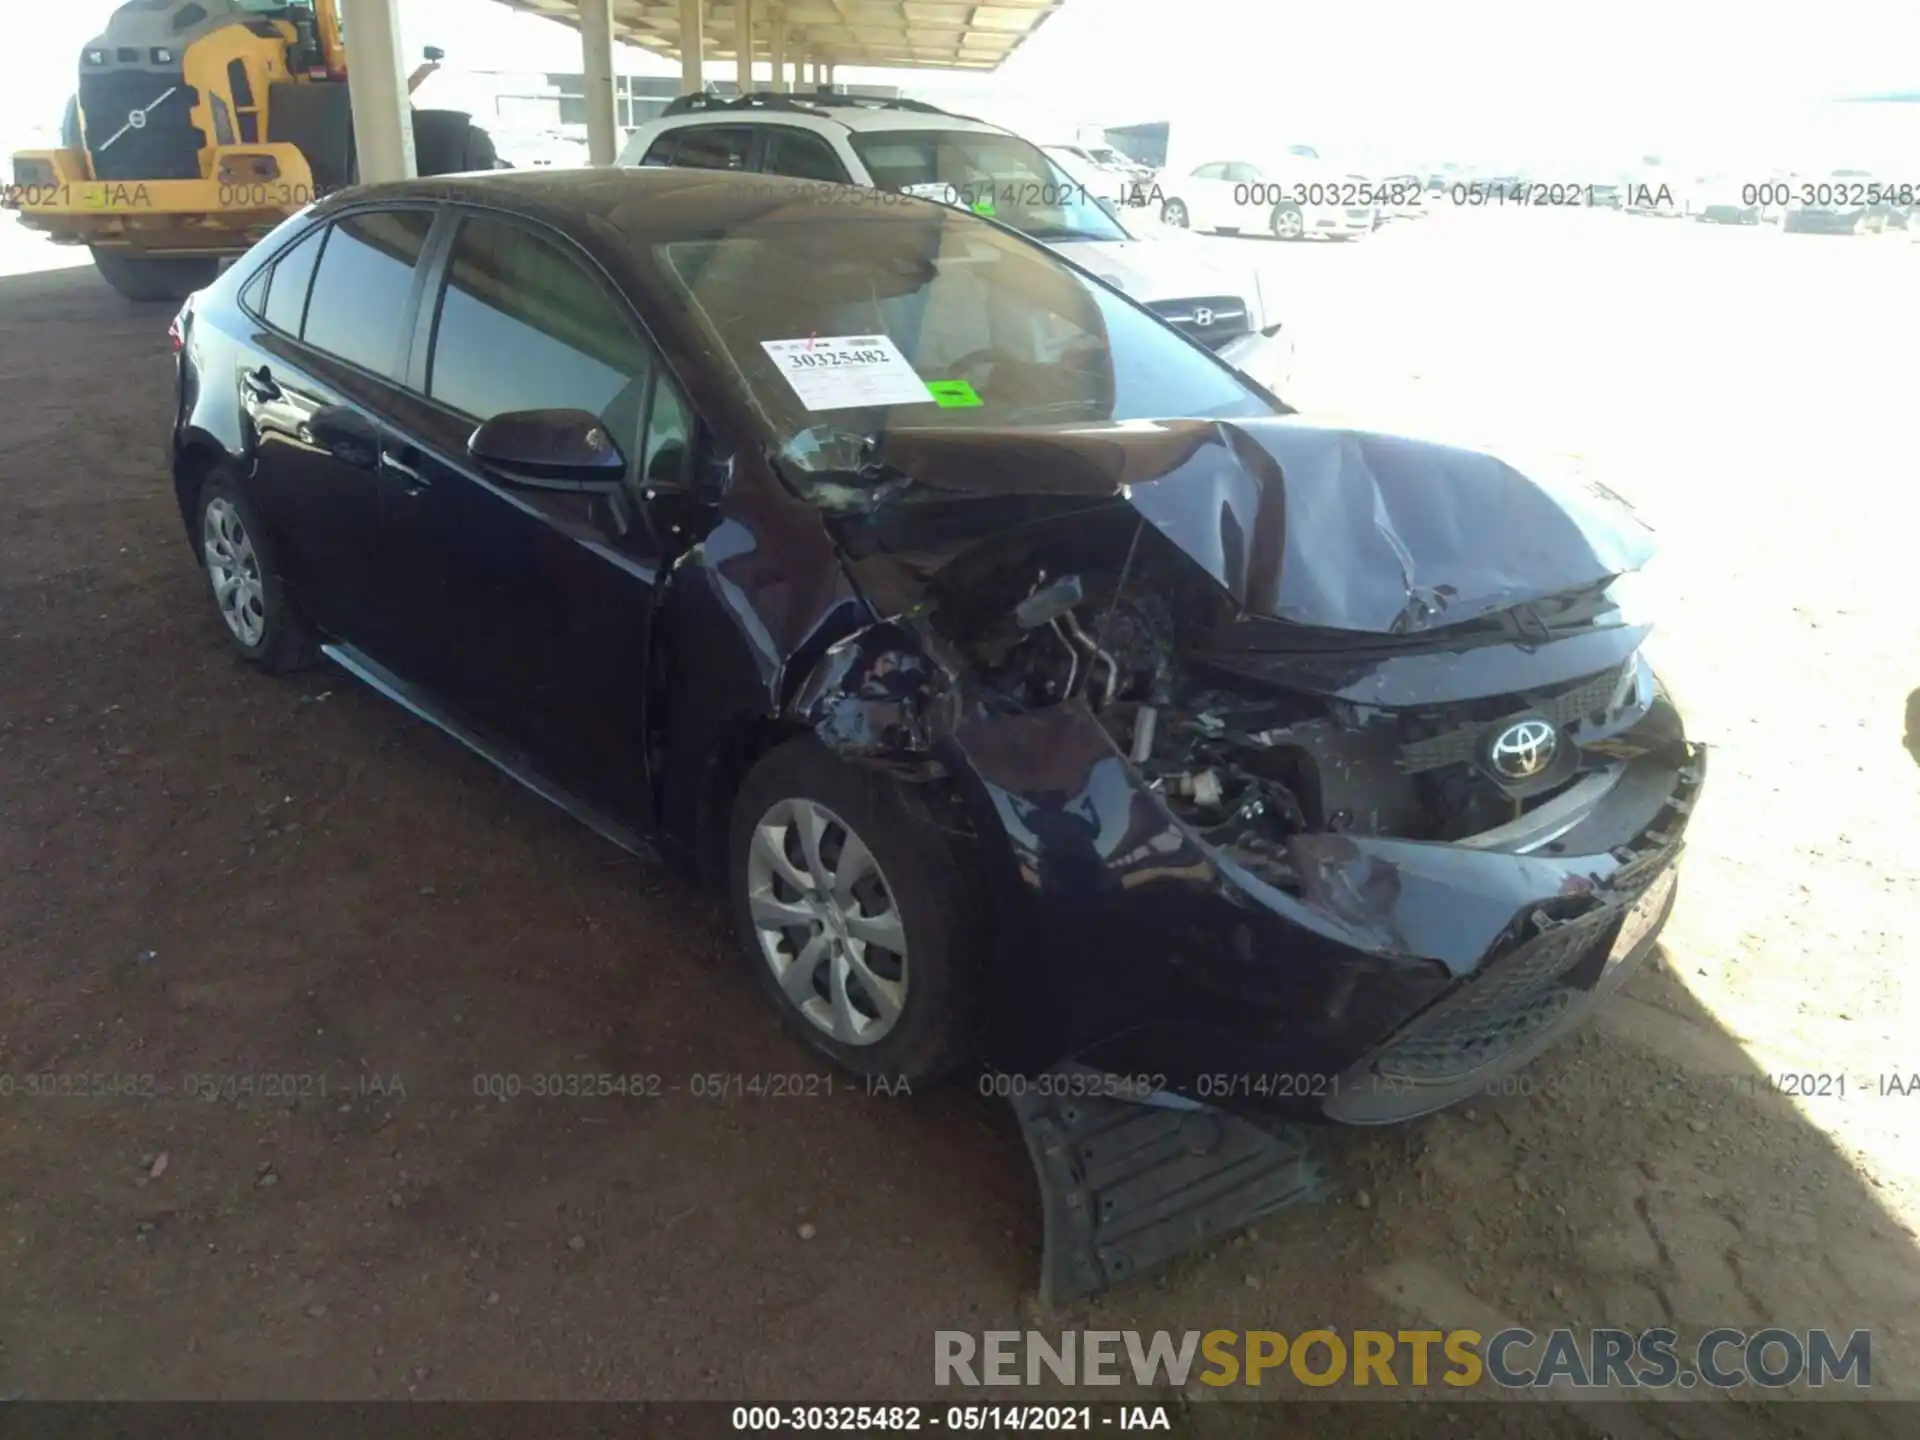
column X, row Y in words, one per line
column 331, row 925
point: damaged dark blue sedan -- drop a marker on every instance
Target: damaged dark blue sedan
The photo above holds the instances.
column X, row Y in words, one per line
column 1047, row 695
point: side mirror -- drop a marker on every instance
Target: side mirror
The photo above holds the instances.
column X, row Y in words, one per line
column 434, row 53
column 549, row 450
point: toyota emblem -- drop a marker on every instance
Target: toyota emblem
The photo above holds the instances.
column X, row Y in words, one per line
column 1523, row 750
column 137, row 119
column 1203, row 317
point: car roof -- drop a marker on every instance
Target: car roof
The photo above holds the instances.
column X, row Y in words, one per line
column 640, row 203
column 855, row 113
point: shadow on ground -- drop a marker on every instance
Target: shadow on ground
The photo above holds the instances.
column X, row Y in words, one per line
column 278, row 950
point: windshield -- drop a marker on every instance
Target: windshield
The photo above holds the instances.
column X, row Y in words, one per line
column 1001, row 176
column 844, row 328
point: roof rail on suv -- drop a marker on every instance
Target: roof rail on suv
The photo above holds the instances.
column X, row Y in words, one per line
column 814, row 103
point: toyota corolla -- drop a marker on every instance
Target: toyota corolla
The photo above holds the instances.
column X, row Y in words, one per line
column 1044, row 694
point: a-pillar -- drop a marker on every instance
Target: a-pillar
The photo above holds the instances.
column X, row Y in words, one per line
column 377, row 91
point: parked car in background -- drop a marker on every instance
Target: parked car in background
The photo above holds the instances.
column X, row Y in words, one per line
column 912, row 148
column 1034, row 687
column 1722, row 200
column 1837, row 202
column 1292, row 198
column 1103, row 158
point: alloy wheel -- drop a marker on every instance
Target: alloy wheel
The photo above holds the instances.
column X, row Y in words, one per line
column 233, row 569
column 826, row 922
column 1288, row 223
column 1175, row 214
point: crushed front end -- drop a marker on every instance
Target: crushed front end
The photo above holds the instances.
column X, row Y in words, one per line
column 1322, row 774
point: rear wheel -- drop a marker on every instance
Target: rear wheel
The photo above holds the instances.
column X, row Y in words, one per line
column 856, row 915
column 260, row 618
column 142, row 277
column 1174, row 213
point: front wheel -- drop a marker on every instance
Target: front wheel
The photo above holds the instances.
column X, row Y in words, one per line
column 1288, row 222
column 858, row 919
column 261, row 621
column 142, row 277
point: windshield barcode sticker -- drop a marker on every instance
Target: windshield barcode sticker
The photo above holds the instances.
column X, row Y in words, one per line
column 847, row 372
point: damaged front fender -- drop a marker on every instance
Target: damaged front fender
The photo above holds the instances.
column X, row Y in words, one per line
column 876, row 698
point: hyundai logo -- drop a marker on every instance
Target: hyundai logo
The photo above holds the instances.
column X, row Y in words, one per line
column 1203, row 317
column 1524, row 749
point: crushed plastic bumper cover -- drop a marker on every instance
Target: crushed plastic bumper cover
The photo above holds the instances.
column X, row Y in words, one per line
column 1127, row 1186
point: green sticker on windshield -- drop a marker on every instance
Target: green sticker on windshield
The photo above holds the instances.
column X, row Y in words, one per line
column 983, row 207
column 954, row 394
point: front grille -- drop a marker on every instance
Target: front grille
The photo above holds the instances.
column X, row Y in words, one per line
column 1519, row 996
column 1226, row 317
column 165, row 146
column 1359, row 213
column 1460, row 743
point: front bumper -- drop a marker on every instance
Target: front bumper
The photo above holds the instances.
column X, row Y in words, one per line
column 1394, row 977
column 1339, row 220
column 247, row 191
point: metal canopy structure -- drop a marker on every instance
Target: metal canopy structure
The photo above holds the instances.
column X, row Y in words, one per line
column 894, row 34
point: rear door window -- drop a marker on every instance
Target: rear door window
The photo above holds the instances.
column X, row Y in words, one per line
column 360, row 292
column 661, row 151
column 292, row 277
column 803, row 155
column 714, row 147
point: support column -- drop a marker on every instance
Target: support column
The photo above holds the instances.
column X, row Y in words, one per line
column 603, row 119
column 827, row 78
column 777, row 46
column 743, row 45
column 377, row 91
column 692, row 46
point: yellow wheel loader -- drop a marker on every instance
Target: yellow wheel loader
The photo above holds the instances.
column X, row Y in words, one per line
column 199, row 125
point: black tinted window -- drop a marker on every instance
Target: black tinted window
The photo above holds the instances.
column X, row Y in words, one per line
column 360, row 294
column 661, row 151
column 804, row 156
column 287, row 289
column 714, row 147
column 523, row 326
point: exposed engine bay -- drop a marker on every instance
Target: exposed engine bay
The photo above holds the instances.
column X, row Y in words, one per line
column 1147, row 646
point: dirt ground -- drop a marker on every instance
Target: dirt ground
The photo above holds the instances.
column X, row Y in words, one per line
column 213, row 883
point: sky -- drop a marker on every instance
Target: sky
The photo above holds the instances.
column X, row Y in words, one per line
column 1539, row 82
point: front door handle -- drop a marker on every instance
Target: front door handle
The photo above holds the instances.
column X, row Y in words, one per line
column 260, row 383
column 399, row 463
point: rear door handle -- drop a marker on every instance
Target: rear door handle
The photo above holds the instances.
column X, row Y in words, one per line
column 400, row 463
column 260, row 383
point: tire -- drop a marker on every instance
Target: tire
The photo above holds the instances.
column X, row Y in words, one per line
column 1174, row 213
column 1288, row 223
column 316, row 116
column 916, row 878
column 480, row 152
column 230, row 535
column 441, row 140
column 140, row 277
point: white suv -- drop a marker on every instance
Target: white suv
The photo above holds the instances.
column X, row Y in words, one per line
column 919, row 149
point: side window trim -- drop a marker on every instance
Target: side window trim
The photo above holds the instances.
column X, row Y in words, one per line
column 409, row 316
column 268, row 272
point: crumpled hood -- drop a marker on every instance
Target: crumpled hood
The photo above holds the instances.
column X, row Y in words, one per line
column 1323, row 526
